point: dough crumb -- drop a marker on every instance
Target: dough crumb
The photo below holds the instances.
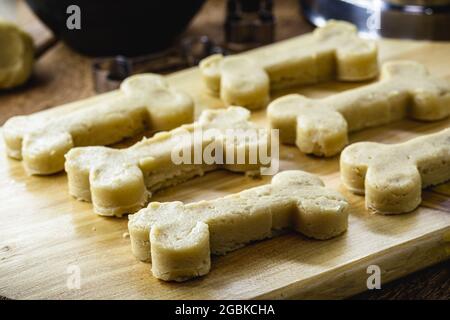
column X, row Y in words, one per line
column 94, row 229
column 125, row 235
column 254, row 174
column 290, row 156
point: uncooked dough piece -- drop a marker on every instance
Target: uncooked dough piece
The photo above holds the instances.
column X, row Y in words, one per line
column 332, row 52
column 143, row 102
column 16, row 55
column 119, row 181
column 393, row 175
column 179, row 238
column 321, row 126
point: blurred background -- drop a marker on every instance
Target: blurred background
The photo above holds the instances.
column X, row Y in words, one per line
column 132, row 36
column 134, row 27
column 69, row 66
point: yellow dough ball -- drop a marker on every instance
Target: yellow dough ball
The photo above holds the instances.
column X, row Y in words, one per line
column 16, row 55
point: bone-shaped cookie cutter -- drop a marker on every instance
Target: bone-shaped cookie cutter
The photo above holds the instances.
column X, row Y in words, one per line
column 119, row 181
column 332, row 52
column 321, row 126
column 143, row 102
column 393, row 175
column 179, row 238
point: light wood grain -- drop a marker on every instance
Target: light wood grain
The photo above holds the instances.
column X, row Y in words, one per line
column 43, row 231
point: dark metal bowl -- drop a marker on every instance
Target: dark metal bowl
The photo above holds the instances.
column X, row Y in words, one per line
column 112, row 27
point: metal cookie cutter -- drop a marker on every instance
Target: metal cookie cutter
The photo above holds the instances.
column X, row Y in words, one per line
column 110, row 72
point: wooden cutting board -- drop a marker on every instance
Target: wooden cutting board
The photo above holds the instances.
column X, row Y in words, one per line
column 46, row 236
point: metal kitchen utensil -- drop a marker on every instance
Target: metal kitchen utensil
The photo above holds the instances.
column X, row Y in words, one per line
column 412, row 19
column 110, row 72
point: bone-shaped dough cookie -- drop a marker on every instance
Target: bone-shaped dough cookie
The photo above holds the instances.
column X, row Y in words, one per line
column 332, row 52
column 393, row 175
column 179, row 238
column 143, row 102
column 321, row 126
column 120, row 181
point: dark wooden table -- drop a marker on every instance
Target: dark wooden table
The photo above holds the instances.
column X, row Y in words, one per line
column 61, row 76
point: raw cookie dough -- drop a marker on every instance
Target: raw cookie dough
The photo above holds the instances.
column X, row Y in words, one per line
column 179, row 238
column 393, row 175
column 16, row 55
column 332, row 52
column 119, row 181
column 143, row 102
column 321, row 126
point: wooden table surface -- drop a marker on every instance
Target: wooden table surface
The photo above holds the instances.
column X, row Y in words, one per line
column 62, row 75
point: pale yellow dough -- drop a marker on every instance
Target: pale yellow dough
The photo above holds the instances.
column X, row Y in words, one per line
column 321, row 126
column 393, row 175
column 119, row 181
column 332, row 52
column 143, row 102
column 179, row 238
column 16, row 55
